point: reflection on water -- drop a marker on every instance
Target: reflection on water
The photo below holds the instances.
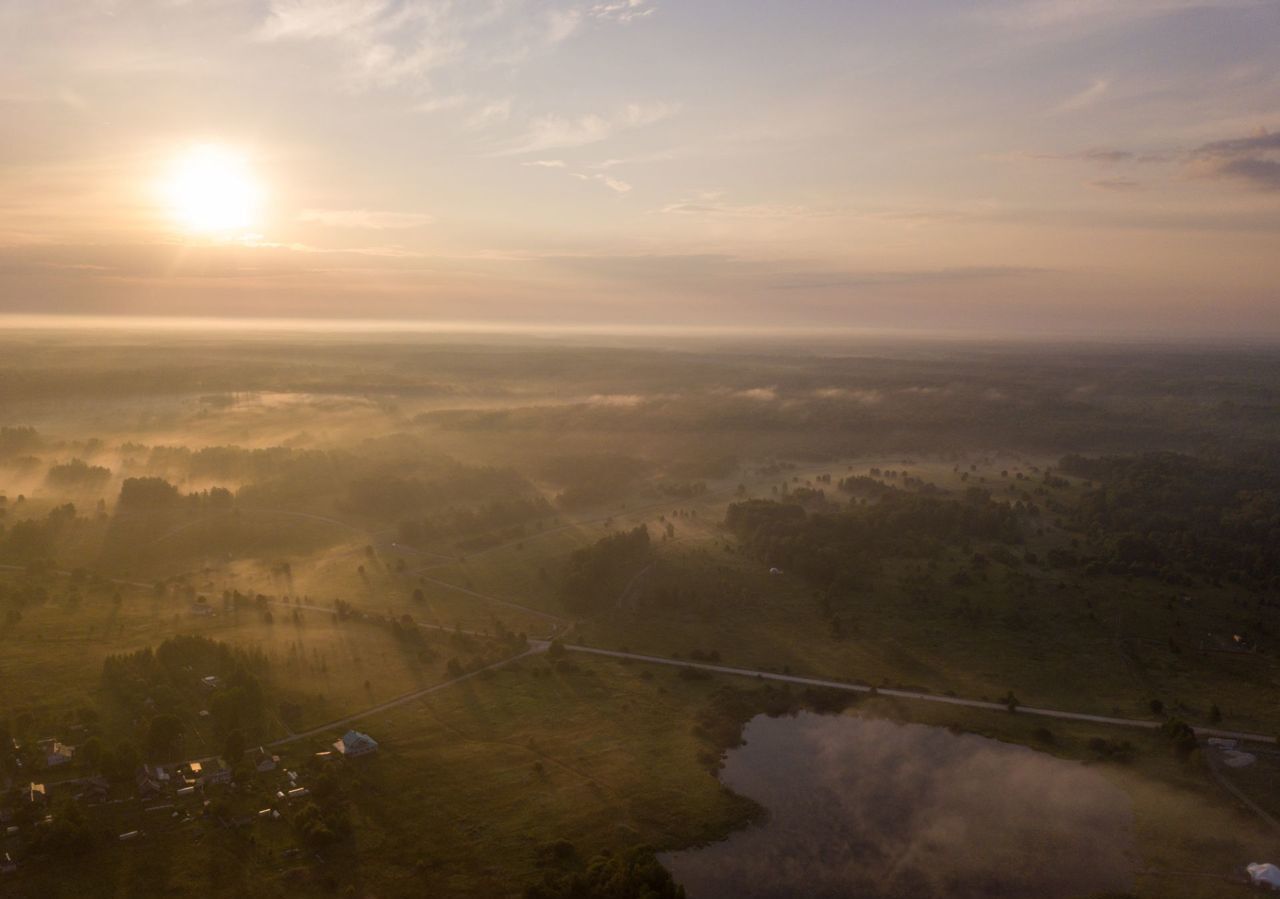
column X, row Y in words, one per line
column 879, row 810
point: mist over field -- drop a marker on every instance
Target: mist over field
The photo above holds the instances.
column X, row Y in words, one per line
column 570, row 574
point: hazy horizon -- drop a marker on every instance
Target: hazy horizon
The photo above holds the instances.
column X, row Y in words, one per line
column 1006, row 167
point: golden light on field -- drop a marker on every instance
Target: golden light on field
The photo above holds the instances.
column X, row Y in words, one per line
column 211, row 190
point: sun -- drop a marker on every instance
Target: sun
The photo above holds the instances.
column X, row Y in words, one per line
column 211, row 190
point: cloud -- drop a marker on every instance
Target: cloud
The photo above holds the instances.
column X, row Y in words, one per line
column 711, row 203
column 828, row 280
column 622, row 11
column 490, row 113
column 365, row 218
column 1116, row 184
column 617, row 185
column 310, row 19
column 1087, row 16
column 733, row 273
column 1253, row 160
column 443, row 103
column 388, row 43
column 545, row 163
column 562, row 24
column 555, row 132
column 1085, row 98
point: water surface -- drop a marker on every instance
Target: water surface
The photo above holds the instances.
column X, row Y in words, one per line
column 879, row 810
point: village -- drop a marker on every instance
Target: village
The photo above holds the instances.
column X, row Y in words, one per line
column 56, row 814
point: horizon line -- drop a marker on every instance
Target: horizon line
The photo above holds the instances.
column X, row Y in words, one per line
column 13, row 322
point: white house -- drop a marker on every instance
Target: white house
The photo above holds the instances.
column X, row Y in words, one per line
column 355, row 744
column 1264, row 875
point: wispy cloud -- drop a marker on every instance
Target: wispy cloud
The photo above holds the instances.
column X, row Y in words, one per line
column 386, row 43
column 1118, row 185
column 491, row 113
column 556, row 132
column 562, row 24
column 1085, row 98
column 622, row 10
column 374, row 220
column 713, row 203
column 617, row 185
column 1085, row 16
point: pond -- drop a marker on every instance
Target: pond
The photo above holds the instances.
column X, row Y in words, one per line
column 880, row 810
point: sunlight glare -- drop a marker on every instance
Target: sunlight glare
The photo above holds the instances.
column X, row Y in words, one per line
column 211, row 190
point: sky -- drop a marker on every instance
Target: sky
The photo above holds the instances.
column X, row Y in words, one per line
column 1073, row 167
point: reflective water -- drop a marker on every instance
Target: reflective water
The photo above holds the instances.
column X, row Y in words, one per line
column 879, row 810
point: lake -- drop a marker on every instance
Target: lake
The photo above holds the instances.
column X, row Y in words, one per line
column 880, row 810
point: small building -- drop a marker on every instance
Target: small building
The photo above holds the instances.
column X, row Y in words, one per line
column 184, row 791
column 1264, row 875
column 36, row 794
column 7, row 864
column 94, row 790
column 215, row 772
column 58, row 754
column 151, row 781
column 211, row 681
column 355, row 744
column 263, row 761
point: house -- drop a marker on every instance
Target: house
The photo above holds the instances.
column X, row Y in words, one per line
column 36, row 794
column 58, row 754
column 355, row 744
column 203, row 609
column 215, row 772
column 152, row 781
column 1264, row 875
column 298, row 793
column 211, row 681
column 262, row 760
column 94, row 789
column 7, row 864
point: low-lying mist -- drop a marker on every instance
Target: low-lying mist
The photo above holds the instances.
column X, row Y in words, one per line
column 880, row 810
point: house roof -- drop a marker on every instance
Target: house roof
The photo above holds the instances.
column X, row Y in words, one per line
column 354, row 740
column 1264, row 873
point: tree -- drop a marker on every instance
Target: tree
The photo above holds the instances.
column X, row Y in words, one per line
column 90, row 754
column 634, row 874
column 1181, row 737
column 164, row 739
column 233, row 750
